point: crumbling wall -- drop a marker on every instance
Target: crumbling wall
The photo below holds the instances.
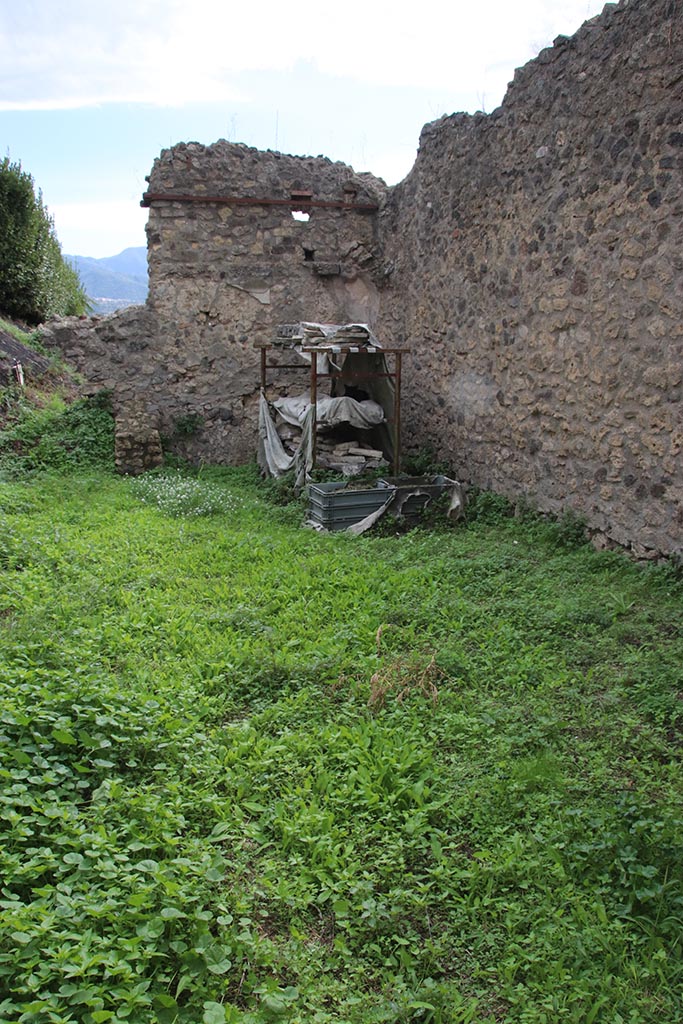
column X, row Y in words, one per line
column 225, row 271
column 532, row 259
column 537, row 256
column 228, row 263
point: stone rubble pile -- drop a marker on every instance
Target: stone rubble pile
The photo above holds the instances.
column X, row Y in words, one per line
column 347, row 457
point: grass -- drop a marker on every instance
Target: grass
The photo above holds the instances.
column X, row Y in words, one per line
column 28, row 337
column 43, row 426
column 255, row 774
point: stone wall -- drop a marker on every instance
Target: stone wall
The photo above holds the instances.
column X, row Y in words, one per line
column 224, row 274
column 228, row 263
column 537, row 272
column 532, row 260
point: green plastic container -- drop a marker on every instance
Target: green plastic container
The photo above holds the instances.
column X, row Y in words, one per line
column 336, row 505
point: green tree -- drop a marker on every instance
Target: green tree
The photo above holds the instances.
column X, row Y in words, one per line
column 35, row 280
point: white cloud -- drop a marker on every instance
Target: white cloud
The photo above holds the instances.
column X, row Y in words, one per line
column 58, row 103
column 62, row 55
column 390, row 164
column 99, row 228
column 170, row 52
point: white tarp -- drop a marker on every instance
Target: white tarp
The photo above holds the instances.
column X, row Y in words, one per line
column 331, row 412
column 272, row 456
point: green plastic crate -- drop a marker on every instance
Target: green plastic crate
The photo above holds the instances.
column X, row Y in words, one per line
column 336, row 505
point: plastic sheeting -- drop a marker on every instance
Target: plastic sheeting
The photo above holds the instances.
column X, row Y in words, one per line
column 272, row 457
column 361, row 367
column 331, row 412
column 397, row 496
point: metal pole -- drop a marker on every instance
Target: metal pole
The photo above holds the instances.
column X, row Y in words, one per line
column 397, row 417
column 314, row 405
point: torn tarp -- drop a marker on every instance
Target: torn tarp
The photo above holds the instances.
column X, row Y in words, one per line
column 404, row 497
column 272, row 457
column 402, row 494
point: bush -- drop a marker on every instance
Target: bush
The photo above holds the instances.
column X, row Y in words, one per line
column 59, row 437
column 487, row 507
column 35, row 280
column 425, row 462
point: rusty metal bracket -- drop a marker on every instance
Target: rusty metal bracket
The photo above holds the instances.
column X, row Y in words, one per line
column 292, row 203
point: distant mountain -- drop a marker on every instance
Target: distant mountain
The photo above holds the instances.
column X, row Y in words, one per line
column 132, row 262
column 113, row 282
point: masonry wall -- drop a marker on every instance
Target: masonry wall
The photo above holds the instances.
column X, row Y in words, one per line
column 533, row 259
column 537, row 272
column 228, row 263
column 224, row 274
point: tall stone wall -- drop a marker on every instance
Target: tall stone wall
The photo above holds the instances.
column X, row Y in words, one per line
column 228, row 262
column 537, row 272
column 532, row 259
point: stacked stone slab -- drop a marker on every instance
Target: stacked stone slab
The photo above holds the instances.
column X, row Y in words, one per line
column 350, row 458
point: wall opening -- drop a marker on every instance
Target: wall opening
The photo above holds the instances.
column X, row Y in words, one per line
column 301, row 209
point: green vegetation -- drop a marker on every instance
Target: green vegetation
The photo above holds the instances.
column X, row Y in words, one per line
column 43, row 428
column 255, row 774
column 35, row 281
column 53, row 434
column 29, row 338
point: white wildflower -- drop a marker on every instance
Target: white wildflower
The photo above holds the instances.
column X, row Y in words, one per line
column 179, row 495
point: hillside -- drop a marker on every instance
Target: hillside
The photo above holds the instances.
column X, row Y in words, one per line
column 132, row 262
column 112, row 282
column 48, row 383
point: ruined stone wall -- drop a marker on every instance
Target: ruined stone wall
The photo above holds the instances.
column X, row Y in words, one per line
column 228, row 263
column 533, row 260
column 537, row 271
column 223, row 275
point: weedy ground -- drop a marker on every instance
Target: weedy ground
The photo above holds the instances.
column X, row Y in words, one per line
column 253, row 774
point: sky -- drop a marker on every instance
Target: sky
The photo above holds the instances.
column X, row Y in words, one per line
column 91, row 91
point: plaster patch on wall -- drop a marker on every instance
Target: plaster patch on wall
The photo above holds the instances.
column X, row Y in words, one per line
column 359, row 299
column 259, row 292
